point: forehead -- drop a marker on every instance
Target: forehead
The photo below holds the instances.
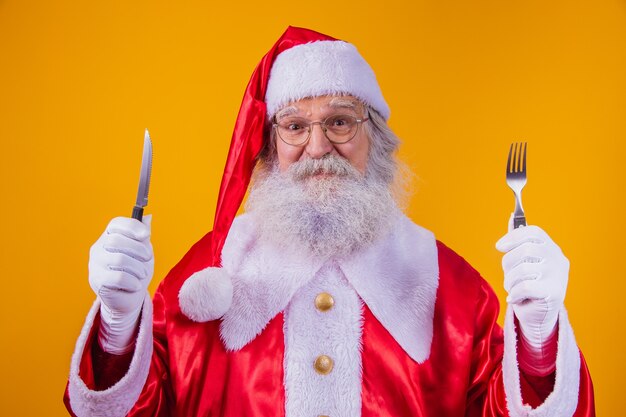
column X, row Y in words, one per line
column 323, row 103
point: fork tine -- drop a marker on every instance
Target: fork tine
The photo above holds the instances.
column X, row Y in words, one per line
column 516, row 179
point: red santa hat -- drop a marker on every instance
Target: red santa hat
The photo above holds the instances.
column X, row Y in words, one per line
column 302, row 63
column 322, row 68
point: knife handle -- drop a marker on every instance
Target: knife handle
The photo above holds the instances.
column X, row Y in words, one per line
column 519, row 221
column 137, row 213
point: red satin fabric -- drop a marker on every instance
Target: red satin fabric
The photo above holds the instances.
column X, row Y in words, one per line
column 248, row 136
column 465, row 356
column 192, row 374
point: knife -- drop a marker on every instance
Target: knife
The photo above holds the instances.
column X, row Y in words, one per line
column 144, row 178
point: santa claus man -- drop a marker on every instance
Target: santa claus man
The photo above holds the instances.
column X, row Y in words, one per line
column 324, row 299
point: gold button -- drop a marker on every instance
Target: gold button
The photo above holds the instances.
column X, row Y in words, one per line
column 324, row 301
column 323, row 365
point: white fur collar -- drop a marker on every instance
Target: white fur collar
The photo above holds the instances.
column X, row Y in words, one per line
column 397, row 277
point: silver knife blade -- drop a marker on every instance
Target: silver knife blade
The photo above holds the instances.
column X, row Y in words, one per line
column 144, row 178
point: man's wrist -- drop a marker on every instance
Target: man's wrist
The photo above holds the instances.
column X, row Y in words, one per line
column 538, row 325
column 117, row 332
column 537, row 360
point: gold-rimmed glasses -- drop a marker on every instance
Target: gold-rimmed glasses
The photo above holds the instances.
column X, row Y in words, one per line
column 338, row 128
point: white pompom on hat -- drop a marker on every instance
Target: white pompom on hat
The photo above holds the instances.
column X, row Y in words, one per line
column 327, row 67
column 206, row 295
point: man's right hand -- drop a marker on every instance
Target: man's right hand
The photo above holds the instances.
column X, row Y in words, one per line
column 121, row 265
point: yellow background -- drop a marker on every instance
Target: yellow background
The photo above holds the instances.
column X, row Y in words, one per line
column 79, row 81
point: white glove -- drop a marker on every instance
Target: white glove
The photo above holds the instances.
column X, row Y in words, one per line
column 121, row 265
column 535, row 277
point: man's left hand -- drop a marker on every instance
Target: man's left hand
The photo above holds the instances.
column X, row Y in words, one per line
column 535, row 278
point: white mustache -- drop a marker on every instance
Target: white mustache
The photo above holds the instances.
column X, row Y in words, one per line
column 328, row 164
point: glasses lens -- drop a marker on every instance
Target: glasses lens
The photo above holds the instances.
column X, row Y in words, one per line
column 293, row 130
column 340, row 127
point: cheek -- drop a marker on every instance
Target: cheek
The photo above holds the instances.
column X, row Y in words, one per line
column 287, row 155
column 364, row 156
column 356, row 152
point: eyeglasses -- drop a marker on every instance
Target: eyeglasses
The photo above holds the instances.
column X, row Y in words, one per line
column 338, row 128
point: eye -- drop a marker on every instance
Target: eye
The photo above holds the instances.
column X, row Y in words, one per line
column 293, row 126
column 338, row 121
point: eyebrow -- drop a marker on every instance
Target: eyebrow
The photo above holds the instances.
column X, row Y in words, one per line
column 343, row 103
column 287, row 111
column 335, row 103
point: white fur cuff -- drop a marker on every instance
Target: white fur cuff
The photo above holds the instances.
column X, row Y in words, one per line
column 117, row 400
column 206, row 295
column 563, row 400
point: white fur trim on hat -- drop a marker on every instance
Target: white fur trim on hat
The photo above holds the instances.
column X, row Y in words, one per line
column 322, row 68
column 206, row 295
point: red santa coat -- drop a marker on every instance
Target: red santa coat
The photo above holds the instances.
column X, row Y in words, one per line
column 413, row 332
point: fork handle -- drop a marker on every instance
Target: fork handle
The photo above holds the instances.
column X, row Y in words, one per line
column 519, row 221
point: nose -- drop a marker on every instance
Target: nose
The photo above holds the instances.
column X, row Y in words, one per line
column 318, row 144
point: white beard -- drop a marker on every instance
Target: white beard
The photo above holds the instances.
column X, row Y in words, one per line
column 324, row 206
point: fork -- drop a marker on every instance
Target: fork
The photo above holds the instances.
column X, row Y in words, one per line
column 516, row 179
